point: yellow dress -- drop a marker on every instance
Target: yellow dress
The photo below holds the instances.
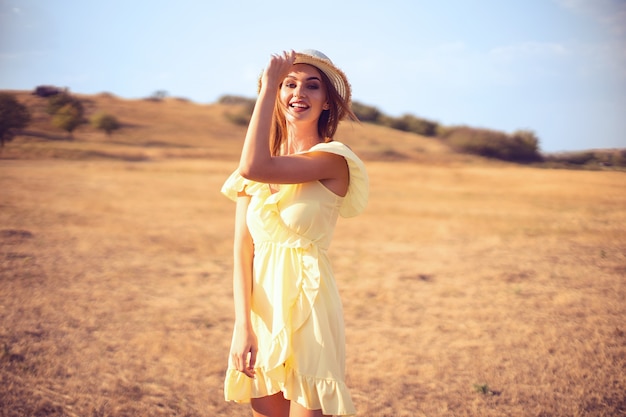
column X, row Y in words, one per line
column 296, row 311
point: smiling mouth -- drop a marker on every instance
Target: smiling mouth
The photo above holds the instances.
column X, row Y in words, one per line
column 299, row 106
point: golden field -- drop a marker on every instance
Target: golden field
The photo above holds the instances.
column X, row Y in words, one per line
column 470, row 287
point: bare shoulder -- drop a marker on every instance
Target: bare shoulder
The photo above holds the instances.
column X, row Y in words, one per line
column 336, row 175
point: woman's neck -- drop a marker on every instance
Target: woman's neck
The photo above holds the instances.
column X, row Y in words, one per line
column 300, row 140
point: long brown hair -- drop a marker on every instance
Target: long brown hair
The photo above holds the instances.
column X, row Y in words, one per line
column 327, row 123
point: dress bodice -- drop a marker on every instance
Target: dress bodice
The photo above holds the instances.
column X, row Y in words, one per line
column 308, row 210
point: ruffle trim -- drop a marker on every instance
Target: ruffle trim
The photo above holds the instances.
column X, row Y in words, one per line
column 297, row 301
column 353, row 203
column 329, row 395
column 294, row 303
column 356, row 199
column 235, row 184
column 272, row 375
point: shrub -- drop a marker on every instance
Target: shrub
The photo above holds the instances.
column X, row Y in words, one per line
column 58, row 101
column 597, row 159
column 242, row 116
column 393, row 122
column 47, row 91
column 578, row 158
column 13, row 115
column 618, row 158
column 522, row 146
column 444, row 131
column 235, row 100
column 420, row 126
column 158, row 95
column 105, row 122
column 410, row 123
column 610, row 158
column 68, row 118
column 67, row 112
column 366, row 113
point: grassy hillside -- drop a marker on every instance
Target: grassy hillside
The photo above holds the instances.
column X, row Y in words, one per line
column 157, row 129
column 470, row 287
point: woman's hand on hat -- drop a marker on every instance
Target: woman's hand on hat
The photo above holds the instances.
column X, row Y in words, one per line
column 278, row 68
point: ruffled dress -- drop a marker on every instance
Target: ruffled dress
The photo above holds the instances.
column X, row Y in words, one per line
column 296, row 311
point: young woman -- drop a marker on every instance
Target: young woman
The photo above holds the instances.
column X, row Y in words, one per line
column 288, row 350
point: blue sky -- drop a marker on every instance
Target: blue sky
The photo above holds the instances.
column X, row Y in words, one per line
column 557, row 67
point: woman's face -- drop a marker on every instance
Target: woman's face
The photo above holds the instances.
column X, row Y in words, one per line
column 303, row 94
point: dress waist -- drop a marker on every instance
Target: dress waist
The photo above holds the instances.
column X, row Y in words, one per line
column 290, row 245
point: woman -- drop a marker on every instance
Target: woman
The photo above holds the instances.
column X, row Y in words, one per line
column 288, row 351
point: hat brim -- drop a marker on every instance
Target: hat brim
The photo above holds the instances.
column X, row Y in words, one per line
column 336, row 76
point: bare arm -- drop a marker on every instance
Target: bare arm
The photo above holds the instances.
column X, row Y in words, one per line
column 244, row 345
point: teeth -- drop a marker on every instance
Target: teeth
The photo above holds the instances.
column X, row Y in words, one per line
column 300, row 105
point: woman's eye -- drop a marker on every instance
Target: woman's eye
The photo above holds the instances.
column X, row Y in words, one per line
column 313, row 87
column 290, row 85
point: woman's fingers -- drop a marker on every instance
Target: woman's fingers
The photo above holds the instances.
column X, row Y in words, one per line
column 290, row 56
column 252, row 361
column 277, row 69
column 280, row 65
column 243, row 350
column 287, row 56
column 245, row 362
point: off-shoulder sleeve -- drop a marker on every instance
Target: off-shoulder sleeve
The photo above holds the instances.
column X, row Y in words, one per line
column 234, row 185
column 356, row 199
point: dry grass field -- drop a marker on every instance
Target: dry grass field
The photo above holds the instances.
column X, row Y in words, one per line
column 470, row 288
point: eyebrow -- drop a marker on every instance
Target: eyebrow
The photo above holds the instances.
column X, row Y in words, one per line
column 308, row 79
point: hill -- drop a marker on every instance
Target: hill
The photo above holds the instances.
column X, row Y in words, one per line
column 470, row 287
column 170, row 127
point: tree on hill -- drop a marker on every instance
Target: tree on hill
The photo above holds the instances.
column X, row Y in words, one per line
column 67, row 112
column 48, row 91
column 158, row 95
column 58, row 101
column 68, row 118
column 105, row 122
column 13, row 115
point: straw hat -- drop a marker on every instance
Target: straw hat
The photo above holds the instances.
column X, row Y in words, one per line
column 324, row 64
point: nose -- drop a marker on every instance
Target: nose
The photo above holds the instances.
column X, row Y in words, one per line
column 298, row 91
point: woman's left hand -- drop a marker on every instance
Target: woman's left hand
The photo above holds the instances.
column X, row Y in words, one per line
column 277, row 69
